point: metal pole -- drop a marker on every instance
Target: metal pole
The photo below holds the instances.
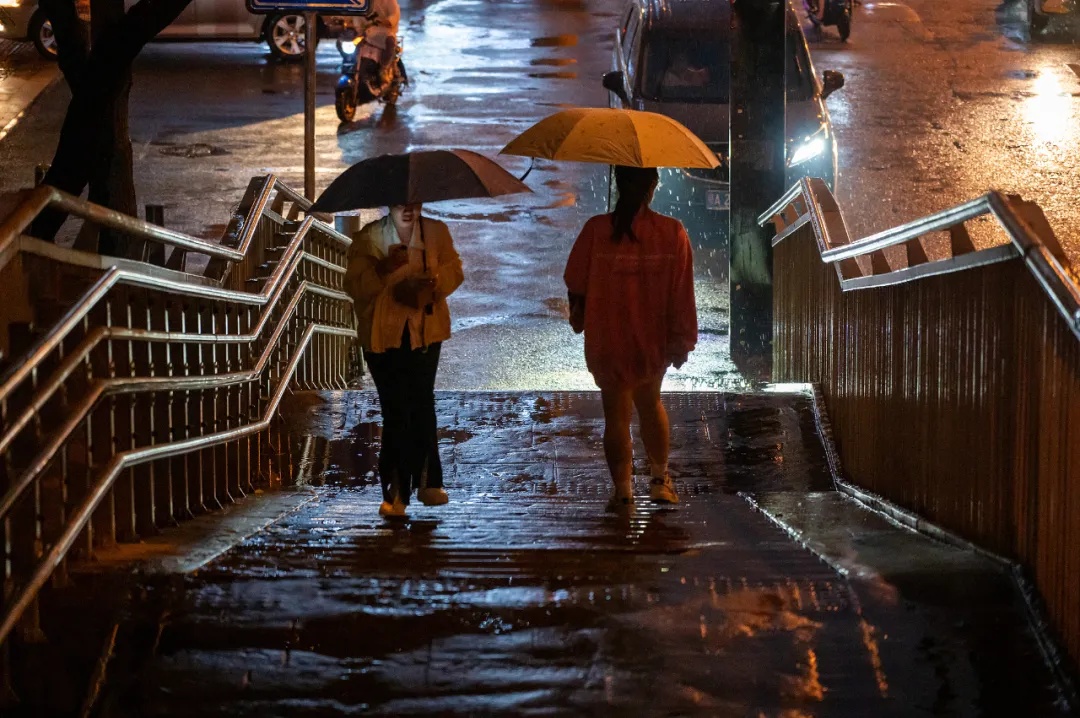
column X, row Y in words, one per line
column 310, row 22
column 757, row 175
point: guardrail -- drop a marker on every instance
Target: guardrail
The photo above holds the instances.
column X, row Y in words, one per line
column 951, row 374
column 150, row 398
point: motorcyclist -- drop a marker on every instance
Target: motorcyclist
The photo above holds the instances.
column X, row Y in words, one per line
column 380, row 28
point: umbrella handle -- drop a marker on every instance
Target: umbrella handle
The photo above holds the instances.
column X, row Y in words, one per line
column 532, row 163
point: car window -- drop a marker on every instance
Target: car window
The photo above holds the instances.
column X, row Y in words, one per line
column 686, row 68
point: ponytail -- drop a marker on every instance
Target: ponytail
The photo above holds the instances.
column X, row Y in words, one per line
column 635, row 185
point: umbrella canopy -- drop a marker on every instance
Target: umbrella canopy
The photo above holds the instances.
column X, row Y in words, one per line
column 417, row 177
column 613, row 137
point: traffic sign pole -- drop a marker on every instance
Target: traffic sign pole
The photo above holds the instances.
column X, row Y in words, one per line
column 309, row 8
column 310, row 22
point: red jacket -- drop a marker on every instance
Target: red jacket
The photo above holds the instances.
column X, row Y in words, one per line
column 639, row 297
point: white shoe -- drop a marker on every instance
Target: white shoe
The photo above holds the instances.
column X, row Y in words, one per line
column 394, row 510
column 662, row 491
column 432, row 497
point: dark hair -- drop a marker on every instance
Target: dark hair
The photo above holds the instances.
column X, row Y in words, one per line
column 635, row 184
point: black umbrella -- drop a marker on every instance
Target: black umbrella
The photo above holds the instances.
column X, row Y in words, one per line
column 417, row 177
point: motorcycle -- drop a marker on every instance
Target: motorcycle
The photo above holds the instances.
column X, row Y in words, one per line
column 835, row 12
column 364, row 76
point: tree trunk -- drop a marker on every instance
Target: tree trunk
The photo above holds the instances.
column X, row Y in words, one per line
column 111, row 178
column 95, row 145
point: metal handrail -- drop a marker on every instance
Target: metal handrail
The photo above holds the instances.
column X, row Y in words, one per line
column 45, row 197
column 130, row 385
column 99, row 334
column 77, row 313
column 272, row 290
column 268, row 298
column 936, row 222
column 1055, row 277
column 128, row 459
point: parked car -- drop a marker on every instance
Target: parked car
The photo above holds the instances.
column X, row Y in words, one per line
column 201, row 20
column 673, row 57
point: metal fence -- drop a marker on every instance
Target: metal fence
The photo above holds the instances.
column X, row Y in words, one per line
column 137, row 394
column 953, row 383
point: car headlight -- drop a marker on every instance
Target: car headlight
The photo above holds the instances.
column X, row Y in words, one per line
column 812, row 147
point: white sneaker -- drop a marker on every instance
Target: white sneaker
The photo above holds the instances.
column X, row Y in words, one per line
column 432, row 497
column 394, row 510
column 662, row 491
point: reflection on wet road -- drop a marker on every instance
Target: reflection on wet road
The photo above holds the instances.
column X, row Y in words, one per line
column 945, row 100
column 522, row 597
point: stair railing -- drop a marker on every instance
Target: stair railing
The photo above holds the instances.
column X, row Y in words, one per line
column 149, row 390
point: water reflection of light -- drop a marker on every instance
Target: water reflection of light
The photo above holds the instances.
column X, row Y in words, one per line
column 1049, row 108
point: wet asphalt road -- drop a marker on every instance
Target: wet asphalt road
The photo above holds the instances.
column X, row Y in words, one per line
column 945, row 100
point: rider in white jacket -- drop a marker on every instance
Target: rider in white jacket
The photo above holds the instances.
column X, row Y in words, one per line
column 380, row 27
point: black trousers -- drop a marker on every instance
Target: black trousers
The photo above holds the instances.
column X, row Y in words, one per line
column 405, row 381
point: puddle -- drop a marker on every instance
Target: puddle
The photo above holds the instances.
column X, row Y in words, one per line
column 555, row 41
column 554, row 61
column 191, row 151
column 554, row 75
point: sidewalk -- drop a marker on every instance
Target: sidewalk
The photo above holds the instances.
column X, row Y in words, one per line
column 23, row 76
column 522, row 597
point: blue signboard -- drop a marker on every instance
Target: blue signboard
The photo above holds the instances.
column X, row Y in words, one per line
column 323, row 7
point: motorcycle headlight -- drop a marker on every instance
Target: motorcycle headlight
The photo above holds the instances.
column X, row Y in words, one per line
column 347, row 48
column 810, row 148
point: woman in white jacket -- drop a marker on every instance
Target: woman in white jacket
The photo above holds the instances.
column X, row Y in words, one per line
column 401, row 269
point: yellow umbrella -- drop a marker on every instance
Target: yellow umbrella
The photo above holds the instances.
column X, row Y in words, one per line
column 613, row 137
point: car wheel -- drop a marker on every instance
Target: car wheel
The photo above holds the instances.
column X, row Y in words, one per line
column 285, row 34
column 41, row 34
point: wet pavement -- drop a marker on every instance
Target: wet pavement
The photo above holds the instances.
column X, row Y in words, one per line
column 24, row 74
column 522, row 597
column 945, row 100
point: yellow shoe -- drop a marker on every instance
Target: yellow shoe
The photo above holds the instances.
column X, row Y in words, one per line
column 394, row 510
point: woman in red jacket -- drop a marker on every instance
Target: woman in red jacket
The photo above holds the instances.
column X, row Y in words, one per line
column 630, row 278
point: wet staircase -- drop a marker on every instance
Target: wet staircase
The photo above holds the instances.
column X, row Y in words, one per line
column 764, row 592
